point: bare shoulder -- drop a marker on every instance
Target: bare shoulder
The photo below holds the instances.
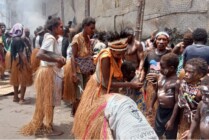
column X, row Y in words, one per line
column 138, row 45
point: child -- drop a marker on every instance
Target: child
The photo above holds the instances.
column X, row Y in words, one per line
column 166, row 121
column 129, row 74
column 202, row 115
column 189, row 94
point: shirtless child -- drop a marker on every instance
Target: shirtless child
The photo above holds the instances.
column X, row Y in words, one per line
column 134, row 53
column 166, row 121
column 202, row 116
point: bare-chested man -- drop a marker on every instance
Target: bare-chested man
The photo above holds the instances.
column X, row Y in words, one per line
column 166, row 121
column 134, row 53
column 202, row 116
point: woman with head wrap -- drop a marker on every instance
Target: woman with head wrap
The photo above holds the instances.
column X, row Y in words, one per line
column 107, row 78
column 21, row 73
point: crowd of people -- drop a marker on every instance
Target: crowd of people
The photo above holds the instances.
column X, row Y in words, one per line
column 118, row 87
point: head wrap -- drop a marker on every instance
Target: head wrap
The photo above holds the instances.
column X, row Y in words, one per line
column 17, row 30
column 118, row 45
column 161, row 33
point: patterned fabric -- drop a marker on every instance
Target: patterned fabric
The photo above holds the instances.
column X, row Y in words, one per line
column 86, row 65
column 84, row 49
column 180, row 66
column 187, row 99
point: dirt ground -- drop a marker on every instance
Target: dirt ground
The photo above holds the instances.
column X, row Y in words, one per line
column 13, row 116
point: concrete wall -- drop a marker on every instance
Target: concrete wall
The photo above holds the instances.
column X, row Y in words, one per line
column 180, row 14
column 115, row 14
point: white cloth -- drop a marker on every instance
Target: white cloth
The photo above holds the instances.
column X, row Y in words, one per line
column 59, row 45
column 69, row 51
column 37, row 42
column 50, row 44
column 126, row 121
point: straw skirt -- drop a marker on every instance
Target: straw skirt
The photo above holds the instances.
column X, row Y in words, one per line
column 21, row 75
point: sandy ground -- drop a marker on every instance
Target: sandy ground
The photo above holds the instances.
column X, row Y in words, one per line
column 13, row 116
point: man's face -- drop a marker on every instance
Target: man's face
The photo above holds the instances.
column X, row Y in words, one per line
column 3, row 28
column 191, row 74
column 27, row 33
column 90, row 29
column 130, row 39
column 161, row 42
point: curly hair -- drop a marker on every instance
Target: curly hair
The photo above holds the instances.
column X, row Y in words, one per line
column 171, row 59
column 127, row 32
column 200, row 64
column 52, row 22
column 88, row 21
column 200, row 35
column 127, row 68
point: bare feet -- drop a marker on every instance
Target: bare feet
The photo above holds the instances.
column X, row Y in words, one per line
column 55, row 133
column 16, row 100
column 22, row 102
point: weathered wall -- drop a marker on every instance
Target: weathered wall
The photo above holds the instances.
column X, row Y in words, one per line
column 115, row 14
column 180, row 14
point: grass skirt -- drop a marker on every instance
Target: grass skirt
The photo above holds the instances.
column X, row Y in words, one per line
column 21, row 76
column 89, row 96
column 184, row 125
column 35, row 62
column 8, row 60
column 149, row 95
column 44, row 83
column 69, row 91
column 94, row 121
column 2, row 68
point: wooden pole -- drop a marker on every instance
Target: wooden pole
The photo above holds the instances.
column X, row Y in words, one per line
column 62, row 11
column 140, row 17
column 87, row 8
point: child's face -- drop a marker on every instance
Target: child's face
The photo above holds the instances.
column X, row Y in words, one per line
column 205, row 99
column 191, row 74
column 164, row 69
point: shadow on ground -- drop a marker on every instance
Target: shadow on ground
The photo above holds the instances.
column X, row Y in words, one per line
column 66, row 128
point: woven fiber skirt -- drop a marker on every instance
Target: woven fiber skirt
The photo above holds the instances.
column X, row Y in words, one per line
column 21, row 75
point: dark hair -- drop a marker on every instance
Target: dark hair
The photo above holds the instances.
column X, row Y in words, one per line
column 66, row 31
column 101, row 35
column 170, row 59
column 200, row 64
column 127, row 68
column 112, row 36
column 187, row 38
column 200, row 35
column 127, row 32
column 74, row 31
column 52, row 22
column 88, row 21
